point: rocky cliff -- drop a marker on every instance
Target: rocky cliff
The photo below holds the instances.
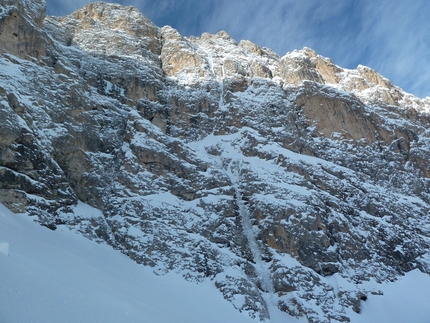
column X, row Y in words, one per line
column 270, row 176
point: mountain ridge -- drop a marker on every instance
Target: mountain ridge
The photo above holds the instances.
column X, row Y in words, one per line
column 216, row 159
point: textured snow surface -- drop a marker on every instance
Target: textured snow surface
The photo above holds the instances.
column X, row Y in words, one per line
column 59, row 276
column 406, row 300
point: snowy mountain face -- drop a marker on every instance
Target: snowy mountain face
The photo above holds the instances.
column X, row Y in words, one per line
column 273, row 178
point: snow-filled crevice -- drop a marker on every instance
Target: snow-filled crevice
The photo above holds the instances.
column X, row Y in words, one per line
column 221, row 90
column 211, row 64
column 261, row 267
column 218, row 80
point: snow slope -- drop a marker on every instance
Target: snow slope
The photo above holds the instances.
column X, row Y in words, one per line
column 406, row 300
column 59, row 276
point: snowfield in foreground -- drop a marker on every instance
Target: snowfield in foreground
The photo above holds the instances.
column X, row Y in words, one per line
column 59, row 276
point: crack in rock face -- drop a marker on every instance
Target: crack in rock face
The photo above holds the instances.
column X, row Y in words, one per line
column 289, row 182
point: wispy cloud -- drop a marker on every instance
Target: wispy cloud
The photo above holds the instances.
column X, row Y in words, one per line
column 397, row 36
column 391, row 36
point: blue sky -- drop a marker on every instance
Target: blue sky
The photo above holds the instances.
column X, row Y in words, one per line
column 390, row 36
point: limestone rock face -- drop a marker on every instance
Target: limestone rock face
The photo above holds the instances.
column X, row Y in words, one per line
column 216, row 159
column 34, row 9
column 181, row 58
column 19, row 27
column 130, row 32
column 296, row 67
